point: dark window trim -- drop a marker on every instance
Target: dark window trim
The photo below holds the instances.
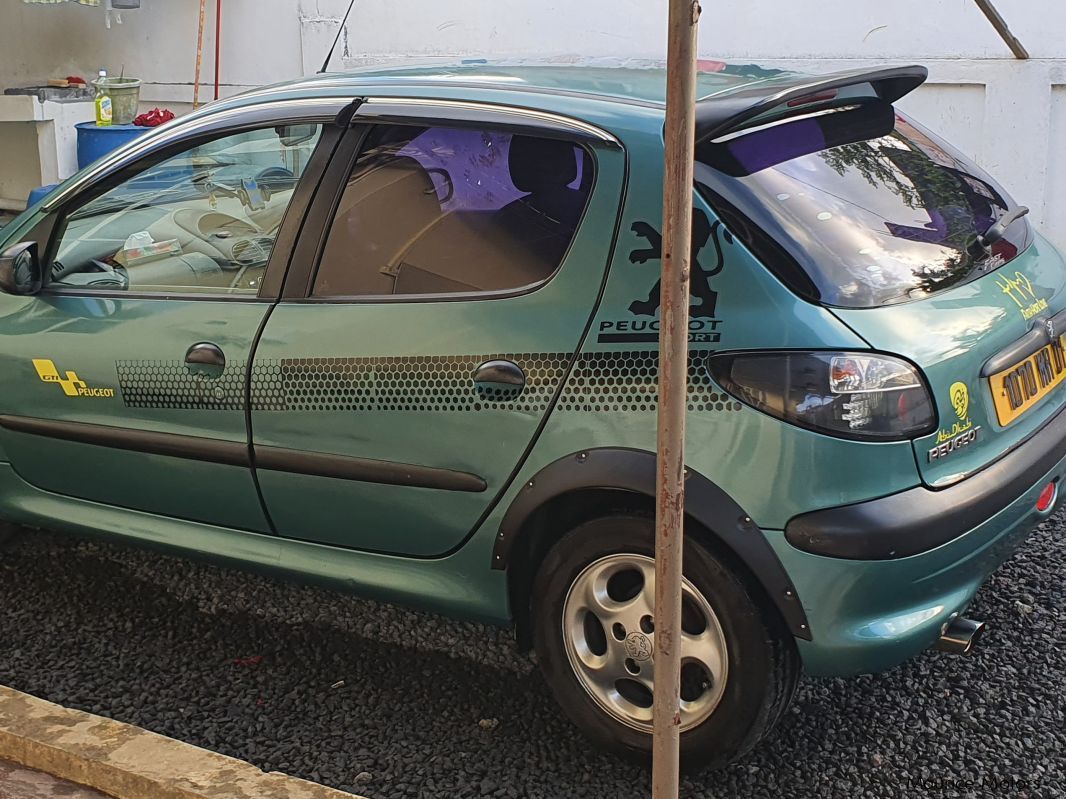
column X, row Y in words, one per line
column 312, row 239
column 291, row 222
column 386, row 299
column 296, row 212
column 323, row 222
column 63, row 291
column 477, row 115
column 237, row 453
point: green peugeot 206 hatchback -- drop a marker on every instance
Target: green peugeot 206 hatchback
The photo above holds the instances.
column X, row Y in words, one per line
column 397, row 331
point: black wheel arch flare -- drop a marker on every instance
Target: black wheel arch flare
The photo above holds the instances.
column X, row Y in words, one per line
column 633, row 470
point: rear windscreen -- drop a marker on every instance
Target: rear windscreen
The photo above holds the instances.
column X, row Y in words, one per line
column 858, row 207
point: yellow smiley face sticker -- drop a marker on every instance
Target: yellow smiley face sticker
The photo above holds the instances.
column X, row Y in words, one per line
column 960, row 399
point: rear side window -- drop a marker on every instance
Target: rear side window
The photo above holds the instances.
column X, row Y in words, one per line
column 860, row 207
column 437, row 211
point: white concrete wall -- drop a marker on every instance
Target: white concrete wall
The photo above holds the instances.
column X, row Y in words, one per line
column 1010, row 115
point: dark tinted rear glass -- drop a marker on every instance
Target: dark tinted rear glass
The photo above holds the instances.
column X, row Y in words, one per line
column 859, row 207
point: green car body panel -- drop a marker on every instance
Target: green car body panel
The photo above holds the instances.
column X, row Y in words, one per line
column 591, row 361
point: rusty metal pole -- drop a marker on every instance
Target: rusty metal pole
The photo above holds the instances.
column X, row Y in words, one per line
column 679, row 133
column 199, row 56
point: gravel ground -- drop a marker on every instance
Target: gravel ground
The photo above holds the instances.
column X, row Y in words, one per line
column 391, row 704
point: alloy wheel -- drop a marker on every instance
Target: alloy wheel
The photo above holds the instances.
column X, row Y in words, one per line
column 609, row 631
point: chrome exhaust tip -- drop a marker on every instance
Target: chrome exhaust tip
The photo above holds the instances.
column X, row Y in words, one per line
column 959, row 636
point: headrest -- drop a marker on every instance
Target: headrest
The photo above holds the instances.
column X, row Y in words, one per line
column 539, row 164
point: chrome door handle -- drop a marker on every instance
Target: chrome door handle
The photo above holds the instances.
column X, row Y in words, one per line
column 205, row 359
column 499, row 379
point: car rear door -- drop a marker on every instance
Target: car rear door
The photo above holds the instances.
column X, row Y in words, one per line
column 125, row 378
column 443, row 283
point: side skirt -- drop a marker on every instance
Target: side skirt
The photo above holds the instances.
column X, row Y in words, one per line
column 438, row 586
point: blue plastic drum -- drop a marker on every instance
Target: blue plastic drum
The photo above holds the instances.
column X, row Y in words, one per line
column 40, row 193
column 96, row 142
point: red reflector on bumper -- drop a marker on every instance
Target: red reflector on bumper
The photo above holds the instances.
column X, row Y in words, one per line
column 1047, row 497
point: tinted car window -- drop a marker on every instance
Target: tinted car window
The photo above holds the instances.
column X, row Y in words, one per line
column 454, row 211
column 204, row 220
column 861, row 207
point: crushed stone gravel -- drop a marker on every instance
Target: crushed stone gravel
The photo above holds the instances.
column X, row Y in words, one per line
column 393, row 704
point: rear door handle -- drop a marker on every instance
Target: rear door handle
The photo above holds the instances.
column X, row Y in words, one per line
column 499, row 379
column 205, row 359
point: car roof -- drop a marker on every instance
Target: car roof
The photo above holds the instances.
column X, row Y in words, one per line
column 630, row 85
column 614, row 98
column 565, row 88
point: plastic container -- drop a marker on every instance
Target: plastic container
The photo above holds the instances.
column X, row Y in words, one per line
column 96, row 142
column 125, row 94
column 102, row 101
column 40, row 193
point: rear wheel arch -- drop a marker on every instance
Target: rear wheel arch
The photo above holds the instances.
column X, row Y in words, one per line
column 596, row 482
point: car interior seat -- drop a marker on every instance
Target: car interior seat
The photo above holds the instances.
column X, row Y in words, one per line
column 389, row 204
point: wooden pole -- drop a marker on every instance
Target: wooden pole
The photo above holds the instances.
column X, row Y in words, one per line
column 680, row 133
column 1000, row 25
column 199, row 56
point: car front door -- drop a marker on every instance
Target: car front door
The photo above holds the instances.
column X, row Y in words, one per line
column 125, row 378
column 406, row 371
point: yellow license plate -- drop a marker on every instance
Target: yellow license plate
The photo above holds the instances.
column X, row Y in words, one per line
column 1019, row 388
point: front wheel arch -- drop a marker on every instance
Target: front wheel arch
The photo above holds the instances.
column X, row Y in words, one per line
column 585, row 484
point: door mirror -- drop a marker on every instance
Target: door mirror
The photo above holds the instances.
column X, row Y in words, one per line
column 20, row 269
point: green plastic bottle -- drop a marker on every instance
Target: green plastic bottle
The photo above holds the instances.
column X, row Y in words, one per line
column 103, row 102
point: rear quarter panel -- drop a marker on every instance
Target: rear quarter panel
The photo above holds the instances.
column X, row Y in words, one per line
column 773, row 470
column 952, row 334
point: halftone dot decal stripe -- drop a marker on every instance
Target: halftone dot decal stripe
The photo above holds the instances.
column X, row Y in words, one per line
column 628, row 382
column 434, row 383
column 169, row 384
column 624, row 382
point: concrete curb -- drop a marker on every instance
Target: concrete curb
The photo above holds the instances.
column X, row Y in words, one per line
column 130, row 763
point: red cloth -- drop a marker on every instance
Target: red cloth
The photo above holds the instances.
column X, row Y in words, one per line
column 157, row 116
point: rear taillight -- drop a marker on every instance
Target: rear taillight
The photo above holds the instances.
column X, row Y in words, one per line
column 847, row 394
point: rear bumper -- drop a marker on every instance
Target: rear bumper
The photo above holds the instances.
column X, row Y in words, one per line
column 870, row 615
column 921, row 519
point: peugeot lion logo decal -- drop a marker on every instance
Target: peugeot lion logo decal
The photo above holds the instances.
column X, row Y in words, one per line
column 704, row 323
column 960, row 399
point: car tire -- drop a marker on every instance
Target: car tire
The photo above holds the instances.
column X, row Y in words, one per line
column 594, row 571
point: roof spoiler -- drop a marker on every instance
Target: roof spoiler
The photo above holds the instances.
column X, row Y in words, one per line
column 729, row 112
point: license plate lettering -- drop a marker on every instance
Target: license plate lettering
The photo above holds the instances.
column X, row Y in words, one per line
column 1016, row 390
column 1043, row 368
